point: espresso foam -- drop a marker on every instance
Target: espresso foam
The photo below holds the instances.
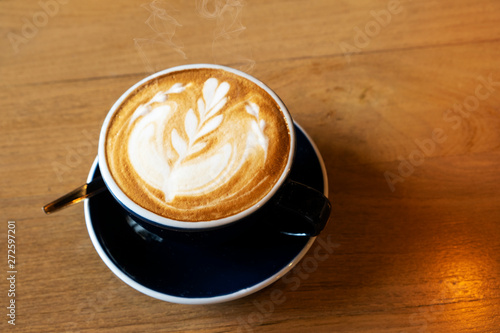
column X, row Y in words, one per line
column 197, row 145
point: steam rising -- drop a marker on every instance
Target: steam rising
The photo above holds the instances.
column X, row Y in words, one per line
column 229, row 27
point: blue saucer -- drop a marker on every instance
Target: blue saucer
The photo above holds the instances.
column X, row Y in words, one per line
column 189, row 273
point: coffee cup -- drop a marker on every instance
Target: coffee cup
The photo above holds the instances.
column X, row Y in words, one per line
column 203, row 147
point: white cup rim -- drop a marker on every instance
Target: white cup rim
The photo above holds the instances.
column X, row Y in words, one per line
column 176, row 224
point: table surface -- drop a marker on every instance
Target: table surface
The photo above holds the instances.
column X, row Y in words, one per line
column 402, row 99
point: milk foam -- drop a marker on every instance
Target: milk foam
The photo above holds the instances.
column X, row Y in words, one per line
column 198, row 150
column 211, row 168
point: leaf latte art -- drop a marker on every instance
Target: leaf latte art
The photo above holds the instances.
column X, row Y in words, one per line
column 197, row 145
column 194, row 169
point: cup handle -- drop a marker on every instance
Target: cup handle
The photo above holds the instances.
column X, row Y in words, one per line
column 300, row 210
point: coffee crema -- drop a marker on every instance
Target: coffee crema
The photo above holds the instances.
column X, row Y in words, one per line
column 197, row 144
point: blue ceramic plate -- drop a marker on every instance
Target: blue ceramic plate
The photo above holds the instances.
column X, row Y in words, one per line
column 190, row 273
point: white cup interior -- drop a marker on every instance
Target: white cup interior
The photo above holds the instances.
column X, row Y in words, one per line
column 148, row 215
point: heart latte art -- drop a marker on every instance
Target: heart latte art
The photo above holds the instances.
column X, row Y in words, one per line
column 197, row 145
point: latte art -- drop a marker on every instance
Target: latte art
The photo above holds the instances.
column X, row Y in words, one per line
column 197, row 145
column 190, row 167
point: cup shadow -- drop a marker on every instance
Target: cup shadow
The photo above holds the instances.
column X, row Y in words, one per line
column 361, row 230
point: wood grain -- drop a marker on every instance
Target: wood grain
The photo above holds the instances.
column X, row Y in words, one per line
column 407, row 122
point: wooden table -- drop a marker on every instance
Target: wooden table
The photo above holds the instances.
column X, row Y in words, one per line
column 401, row 97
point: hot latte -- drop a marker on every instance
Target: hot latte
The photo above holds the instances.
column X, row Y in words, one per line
column 197, row 144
